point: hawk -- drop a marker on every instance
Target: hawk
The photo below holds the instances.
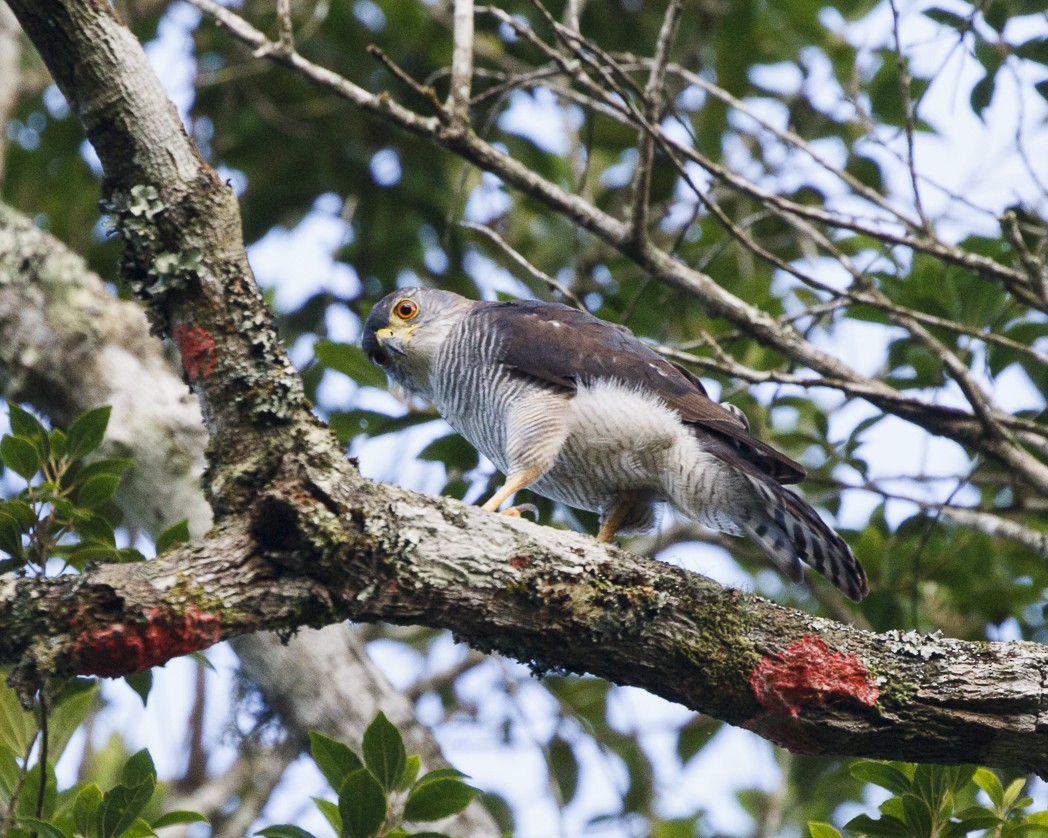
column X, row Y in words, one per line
column 580, row 411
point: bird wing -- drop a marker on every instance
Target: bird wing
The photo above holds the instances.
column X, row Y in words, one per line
column 564, row 347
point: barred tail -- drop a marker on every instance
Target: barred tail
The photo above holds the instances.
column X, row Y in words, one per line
column 789, row 531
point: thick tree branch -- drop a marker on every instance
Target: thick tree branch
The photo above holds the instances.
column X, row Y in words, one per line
column 352, row 549
column 301, row 539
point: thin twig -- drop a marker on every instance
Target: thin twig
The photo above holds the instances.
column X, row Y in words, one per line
column 42, row 757
column 286, row 41
column 424, row 91
column 461, row 63
column 540, row 275
column 1035, row 268
column 653, row 99
column 905, row 90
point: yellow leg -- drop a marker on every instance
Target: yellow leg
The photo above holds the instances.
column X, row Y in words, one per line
column 513, row 484
column 616, row 515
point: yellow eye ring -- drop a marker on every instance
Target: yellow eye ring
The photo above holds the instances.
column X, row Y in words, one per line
column 406, row 309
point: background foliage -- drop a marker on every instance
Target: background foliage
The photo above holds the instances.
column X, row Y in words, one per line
column 921, row 131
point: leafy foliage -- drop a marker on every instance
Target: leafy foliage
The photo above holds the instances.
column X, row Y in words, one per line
column 940, row 802
column 67, row 513
column 83, row 809
column 379, row 795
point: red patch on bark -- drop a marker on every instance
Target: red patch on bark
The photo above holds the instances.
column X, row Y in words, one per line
column 808, row 674
column 519, row 562
column 126, row 648
column 197, row 348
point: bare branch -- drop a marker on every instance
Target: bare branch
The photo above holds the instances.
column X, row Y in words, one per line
column 998, row 527
column 905, row 90
column 461, row 63
column 653, row 103
column 286, row 43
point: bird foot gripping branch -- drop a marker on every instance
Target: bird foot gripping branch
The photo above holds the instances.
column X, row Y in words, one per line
column 580, row 411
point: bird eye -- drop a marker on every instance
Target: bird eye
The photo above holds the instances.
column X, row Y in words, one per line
column 379, row 358
column 406, row 309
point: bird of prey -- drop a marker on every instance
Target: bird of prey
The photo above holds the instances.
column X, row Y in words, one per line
column 580, row 411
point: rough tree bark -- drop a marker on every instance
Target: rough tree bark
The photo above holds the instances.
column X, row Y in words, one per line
column 69, row 346
column 301, row 539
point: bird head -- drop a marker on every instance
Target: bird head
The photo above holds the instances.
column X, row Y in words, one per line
column 406, row 329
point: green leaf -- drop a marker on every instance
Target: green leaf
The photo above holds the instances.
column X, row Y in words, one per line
column 25, row 424
column 1011, row 794
column 87, row 431
column 128, row 555
column 22, row 512
column 982, row 93
column 439, row 774
column 564, row 768
column 201, row 658
column 58, row 443
column 10, row 535
column 175, row 534
column 362, row 804
column 122, row 804
column 80, row 555
column 141, row 683
column 140, row 828
column 284, row 830
column 948, row 18
column 85, row 810
column 918, row 814
column 881, row 774
column 930, row 783
column 437, row 799
column 68, row 714
column 985, row 779
column 9, row 772
column 822, row 830
column 17, row 726
column 120, row 807
column 20, row 455
column 138, row 769
column 1032, row 50
column 330, row 812
column 27, row 800
column 97, row 491
column 886, row 826
column 43, row 827
column 971, row 819
column 694, row 736
column 94, row 527
column 412, row 764
column 349, row 359
column 179, row 816
column 335, row 760
column 383, row 751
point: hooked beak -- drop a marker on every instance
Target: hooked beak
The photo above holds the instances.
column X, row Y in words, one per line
column 390, row 341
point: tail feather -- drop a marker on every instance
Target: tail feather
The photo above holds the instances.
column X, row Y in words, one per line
column 789, row 532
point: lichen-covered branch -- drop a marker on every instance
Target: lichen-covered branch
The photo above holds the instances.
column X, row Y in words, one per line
column 324, row 545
